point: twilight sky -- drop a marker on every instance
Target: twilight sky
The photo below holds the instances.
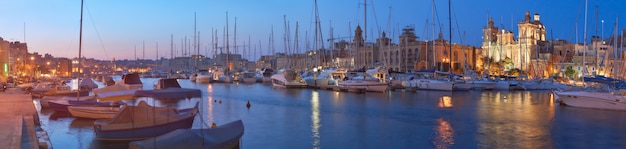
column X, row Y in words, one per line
column 113, row 28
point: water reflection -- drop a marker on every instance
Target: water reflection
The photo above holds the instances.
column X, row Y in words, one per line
column 514, row 120
column 315, row 119
column 444, row 134
column 445, row 102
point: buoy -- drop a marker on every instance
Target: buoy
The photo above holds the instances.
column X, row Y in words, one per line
column 220, row 102
column 214, row 100
column 213, row 125
column 248, row 104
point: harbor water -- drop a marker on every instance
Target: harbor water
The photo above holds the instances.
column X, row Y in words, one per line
column 310, row 118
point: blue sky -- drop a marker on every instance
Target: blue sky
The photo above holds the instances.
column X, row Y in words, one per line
column 113, row 28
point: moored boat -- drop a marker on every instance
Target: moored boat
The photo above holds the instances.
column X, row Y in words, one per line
column 224, row 136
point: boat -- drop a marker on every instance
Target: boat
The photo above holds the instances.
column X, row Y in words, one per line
column 115, row 93
column 131, row 81
column 266, row 74
column 167, row 83
column 44, row 102
column 432, row 84
column 593, row 99
column 224, row 136
column 357, row 80
column 483, row 84
column 204, row 76
column 64, row 104
column 287, row 78
column 91, row 112
column 324, row 79
column 41, row 88
column 144, row 121
column 193, row 77
column 462, row 86
column 249, row 77
column 64, row 90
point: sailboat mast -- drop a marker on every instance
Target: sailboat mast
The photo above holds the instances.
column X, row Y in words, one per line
column 171, row 47
column 80, row 48
column 434, row 50
column 80, row 40
column 227, row 48
column 365, row 21
column 295, row 45
column 585, row 44
column 450, row 35
column 194, row 41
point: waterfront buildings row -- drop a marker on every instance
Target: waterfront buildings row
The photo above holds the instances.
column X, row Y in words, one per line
column 500, row 53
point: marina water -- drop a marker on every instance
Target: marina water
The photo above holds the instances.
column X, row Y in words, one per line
column 310, row 118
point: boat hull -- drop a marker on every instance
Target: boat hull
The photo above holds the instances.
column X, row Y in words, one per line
column 141, row 130
column 434, row 85
column 594, row 100
column 93, row 112
column 203, row 79
column 369, row 86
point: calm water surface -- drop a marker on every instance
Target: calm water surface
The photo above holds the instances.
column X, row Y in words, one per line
column 308, row 118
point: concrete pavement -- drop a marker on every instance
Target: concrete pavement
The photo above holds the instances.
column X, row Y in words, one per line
column 18, row 119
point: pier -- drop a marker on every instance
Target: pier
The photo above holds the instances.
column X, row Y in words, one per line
column 18, row 121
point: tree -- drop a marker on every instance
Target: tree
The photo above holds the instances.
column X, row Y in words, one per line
column 570, row 72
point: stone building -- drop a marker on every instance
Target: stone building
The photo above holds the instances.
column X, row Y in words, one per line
column 500, row 45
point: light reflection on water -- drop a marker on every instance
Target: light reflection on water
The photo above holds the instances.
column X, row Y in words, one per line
column 315, row 118
column 307, row 118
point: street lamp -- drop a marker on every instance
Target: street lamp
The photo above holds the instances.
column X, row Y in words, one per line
column 32, row 60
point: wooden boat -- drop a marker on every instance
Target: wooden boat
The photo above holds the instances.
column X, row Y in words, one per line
column 92, row 112
column 144, row 121
column 44, row 102
column 63, row 105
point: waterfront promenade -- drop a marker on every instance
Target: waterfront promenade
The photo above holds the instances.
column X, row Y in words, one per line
column 18, row 119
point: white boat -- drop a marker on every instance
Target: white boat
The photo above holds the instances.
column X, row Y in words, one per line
column 367, row 82
column 323, row 79
column 224, row 136
column 590, row 99
column 433, row 84
column 92, row 112
column 249, row 77
column 483, row 84
column 462, row 86
column 131, row 81
column 502, row 85
column 287, row 78
column 204, row 76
